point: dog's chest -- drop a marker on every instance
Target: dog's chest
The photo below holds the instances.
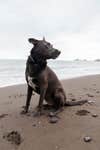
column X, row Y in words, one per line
column 32, row 83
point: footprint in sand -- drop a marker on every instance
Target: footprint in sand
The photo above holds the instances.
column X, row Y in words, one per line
column 97, row 92
column 82, row 112
column 85, row 89
column 94, row 84
column 90, row 95
column 13, row 137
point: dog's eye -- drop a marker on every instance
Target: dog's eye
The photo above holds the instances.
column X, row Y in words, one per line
column 48, row 45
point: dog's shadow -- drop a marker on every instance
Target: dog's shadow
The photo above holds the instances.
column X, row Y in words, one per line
column 47, row 110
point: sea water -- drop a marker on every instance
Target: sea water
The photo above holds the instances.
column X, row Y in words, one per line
column 13, row 71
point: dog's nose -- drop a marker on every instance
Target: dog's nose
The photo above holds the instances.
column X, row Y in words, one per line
column 58, row 52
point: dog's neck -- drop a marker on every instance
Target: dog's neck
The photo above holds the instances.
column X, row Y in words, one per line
column 38, row 63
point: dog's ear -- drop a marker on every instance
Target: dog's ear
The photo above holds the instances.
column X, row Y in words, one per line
column 33, row 41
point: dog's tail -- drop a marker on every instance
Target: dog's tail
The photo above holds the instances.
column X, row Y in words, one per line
column 74, row 103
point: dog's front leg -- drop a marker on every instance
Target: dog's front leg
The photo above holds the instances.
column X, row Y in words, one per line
column 42, row 96
column 29, row 94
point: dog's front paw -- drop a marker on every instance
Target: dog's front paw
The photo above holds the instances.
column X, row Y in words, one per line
column 24, row 111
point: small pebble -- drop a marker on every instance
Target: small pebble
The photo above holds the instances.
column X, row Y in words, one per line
column 39, row 122
column 53, row 120
column 57, row 147
column 34, row 125
column 91, row 102
column 73, row 99
column 87, row 139
column 94, row 115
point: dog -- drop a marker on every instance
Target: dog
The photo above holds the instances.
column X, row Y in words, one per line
column 42, row 79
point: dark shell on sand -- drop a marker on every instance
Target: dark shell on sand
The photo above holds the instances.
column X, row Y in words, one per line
column 87, row 139
column 94, row 115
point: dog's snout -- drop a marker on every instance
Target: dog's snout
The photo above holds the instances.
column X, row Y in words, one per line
column 58, row 52
column 55, row 54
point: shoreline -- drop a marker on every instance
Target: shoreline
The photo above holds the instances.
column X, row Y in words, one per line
column 38, row 133
column 64, row 79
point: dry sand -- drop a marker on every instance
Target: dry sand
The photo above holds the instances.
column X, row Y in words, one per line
column 38, row 134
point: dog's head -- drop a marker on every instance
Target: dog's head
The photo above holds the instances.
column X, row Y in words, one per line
column 43, row 49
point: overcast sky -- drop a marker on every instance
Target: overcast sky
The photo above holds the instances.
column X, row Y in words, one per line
column 73, row 26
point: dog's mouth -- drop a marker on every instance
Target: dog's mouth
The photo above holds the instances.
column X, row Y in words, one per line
column 55, row 54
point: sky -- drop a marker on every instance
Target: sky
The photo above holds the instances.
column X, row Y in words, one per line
column 72, row 26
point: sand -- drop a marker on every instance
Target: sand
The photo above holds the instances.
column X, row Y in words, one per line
column 37, row 133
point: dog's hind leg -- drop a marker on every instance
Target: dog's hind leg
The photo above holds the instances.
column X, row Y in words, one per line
column 58, row 102
column 29, row 94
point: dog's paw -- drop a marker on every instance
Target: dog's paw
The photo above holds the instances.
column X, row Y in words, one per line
column 24, row 111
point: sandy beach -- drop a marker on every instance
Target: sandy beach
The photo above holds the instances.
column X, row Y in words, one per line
column 37, row 133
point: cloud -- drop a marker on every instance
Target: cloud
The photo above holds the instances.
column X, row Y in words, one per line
column 83, row 45
column 73, row 26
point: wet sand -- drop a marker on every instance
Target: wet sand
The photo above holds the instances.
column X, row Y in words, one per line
column 74, row 124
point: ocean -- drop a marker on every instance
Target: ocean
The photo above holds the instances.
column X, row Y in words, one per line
column 13, row 71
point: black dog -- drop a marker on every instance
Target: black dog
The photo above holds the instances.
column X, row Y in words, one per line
column 42, row 79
